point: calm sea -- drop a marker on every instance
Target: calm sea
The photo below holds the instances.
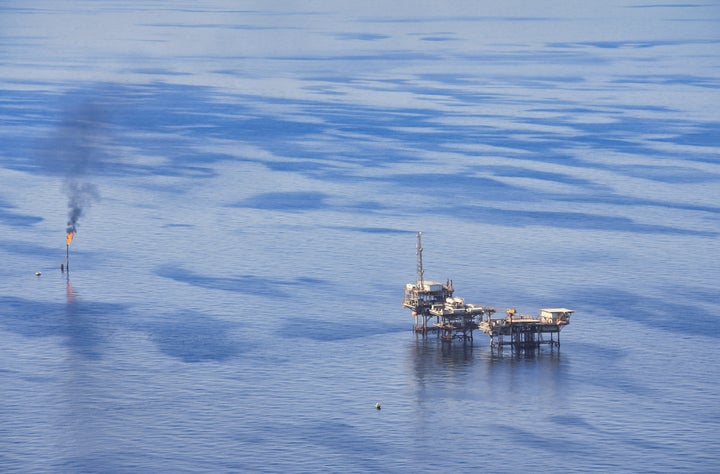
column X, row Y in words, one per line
column 246, row 180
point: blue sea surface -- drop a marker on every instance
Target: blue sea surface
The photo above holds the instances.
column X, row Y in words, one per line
column 246, row 180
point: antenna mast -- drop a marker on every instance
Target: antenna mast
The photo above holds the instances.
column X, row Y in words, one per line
column 420, row 272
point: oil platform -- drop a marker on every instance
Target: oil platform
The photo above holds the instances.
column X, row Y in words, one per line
column 436, row 309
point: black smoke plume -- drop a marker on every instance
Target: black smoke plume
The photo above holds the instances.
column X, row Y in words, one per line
column 80, row 197
column 79, row 151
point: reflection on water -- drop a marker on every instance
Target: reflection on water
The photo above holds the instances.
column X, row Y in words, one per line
column 69, row 291
column 430, row 355
column 488, row 372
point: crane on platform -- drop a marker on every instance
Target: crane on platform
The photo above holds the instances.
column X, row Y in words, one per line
column 420, row 271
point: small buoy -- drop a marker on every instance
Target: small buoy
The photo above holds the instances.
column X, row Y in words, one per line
column 37, row 274
column 377, row 406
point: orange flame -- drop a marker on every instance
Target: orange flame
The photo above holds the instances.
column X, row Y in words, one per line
column 70, row 237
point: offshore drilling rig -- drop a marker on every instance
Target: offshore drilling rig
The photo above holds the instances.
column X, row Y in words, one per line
column 455, row 319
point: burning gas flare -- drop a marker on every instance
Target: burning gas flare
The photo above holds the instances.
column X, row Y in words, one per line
column 70, row 237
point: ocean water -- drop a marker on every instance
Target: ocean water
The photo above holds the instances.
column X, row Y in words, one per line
column 249, row 178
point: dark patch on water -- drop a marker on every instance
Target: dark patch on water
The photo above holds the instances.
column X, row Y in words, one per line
column 550, row 443
column 551, row 177
column 154, row 71
column 677, row 317
column 668, row 174
column 375, row 230
column 570, row 424
column 343, row 441
column 194, row 337
column 439, row 38
column 292, row 201
column 672, row 5
column 247, row 284
column 86, row 327
column 181, row 226
column 83, row 326
column 9, row 218
column 564, row 56
column 392, row 55
column 620, row 200
column 571, row 421
column 564, row 220
column 323, row 330
column 361, row 36
column 458, row 185
column 707, row 82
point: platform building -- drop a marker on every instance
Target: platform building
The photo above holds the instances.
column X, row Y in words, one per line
column 524, row 331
